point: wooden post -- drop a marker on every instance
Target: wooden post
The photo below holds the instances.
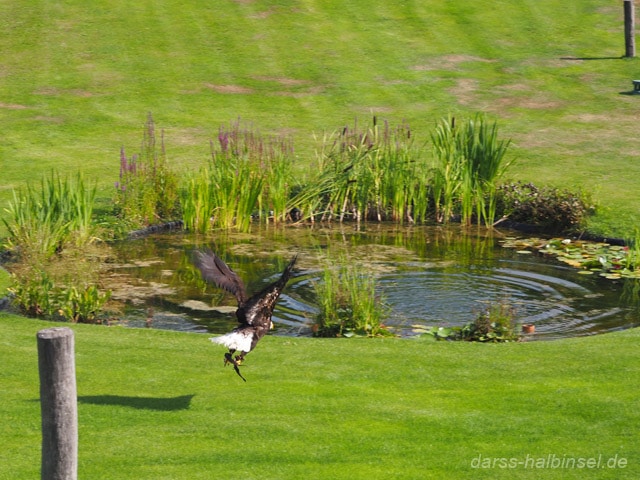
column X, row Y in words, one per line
column 58, row 404
column 629, row 29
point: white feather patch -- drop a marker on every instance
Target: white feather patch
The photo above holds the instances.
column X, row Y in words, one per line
column 240, row 340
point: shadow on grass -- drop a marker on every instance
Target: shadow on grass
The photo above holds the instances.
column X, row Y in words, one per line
column 592, row 58
column 143, row 403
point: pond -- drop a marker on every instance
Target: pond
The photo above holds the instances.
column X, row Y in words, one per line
column 430, row 276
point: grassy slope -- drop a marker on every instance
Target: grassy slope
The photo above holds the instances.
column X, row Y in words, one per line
column 77, row 80
column 157, row 404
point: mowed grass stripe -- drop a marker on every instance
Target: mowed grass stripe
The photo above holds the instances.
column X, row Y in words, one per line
column 155, row 404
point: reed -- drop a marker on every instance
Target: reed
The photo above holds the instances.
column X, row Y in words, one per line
column 469, row 159
column 248, row 176
column 484, row 154
column 447, row 169
column 40, row 221
column 196, row 200
column 374, row 173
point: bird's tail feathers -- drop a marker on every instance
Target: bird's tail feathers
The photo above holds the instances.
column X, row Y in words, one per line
column 235, row 340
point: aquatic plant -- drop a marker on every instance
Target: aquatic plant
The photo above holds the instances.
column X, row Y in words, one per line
column 197, row 203
column 447, row 171
column 495, row 324
column 33, row 295
column 147, row 190
column 469, row 159
column 40, row 222
column 36, row 295
column 249, row 176
column 235, row 188
column 81, row 304
column 632, row 257
column 349, row 304
column 609, row 261
column 376, row 173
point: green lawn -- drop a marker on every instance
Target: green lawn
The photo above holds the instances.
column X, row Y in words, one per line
column 77, row 80
column 158, row 404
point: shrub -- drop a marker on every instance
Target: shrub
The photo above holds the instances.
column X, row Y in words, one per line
column 553, row 209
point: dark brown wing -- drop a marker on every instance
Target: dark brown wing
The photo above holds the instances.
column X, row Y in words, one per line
column 215, row 271
column 258, row 309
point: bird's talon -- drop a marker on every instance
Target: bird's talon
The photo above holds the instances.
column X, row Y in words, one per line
column 228, row 359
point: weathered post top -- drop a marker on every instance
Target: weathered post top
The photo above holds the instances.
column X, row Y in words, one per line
column 55, row 332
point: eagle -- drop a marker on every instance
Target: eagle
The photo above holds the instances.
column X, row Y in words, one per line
column 253, row 313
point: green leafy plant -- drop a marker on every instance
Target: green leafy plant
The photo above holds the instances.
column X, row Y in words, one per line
column 198, row 205
column 375, row 173
column 496, row 324
column 33, row 294
column 632, row 251
column 81, row 304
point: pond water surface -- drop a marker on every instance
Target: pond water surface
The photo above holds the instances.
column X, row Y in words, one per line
column 429, row 276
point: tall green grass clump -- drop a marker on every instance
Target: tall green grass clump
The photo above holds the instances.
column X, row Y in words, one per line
column 348, row 303
column 147, row 190
column 376, row 173
column 249, row 176
column 41, row 221
column 469, row 159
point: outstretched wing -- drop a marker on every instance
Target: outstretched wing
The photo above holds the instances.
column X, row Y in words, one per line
column 258, row 309
column 215, row 271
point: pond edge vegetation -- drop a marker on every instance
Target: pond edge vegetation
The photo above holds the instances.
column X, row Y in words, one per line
column 376, row 173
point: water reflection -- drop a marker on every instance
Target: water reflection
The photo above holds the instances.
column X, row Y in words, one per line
column 430, row 276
